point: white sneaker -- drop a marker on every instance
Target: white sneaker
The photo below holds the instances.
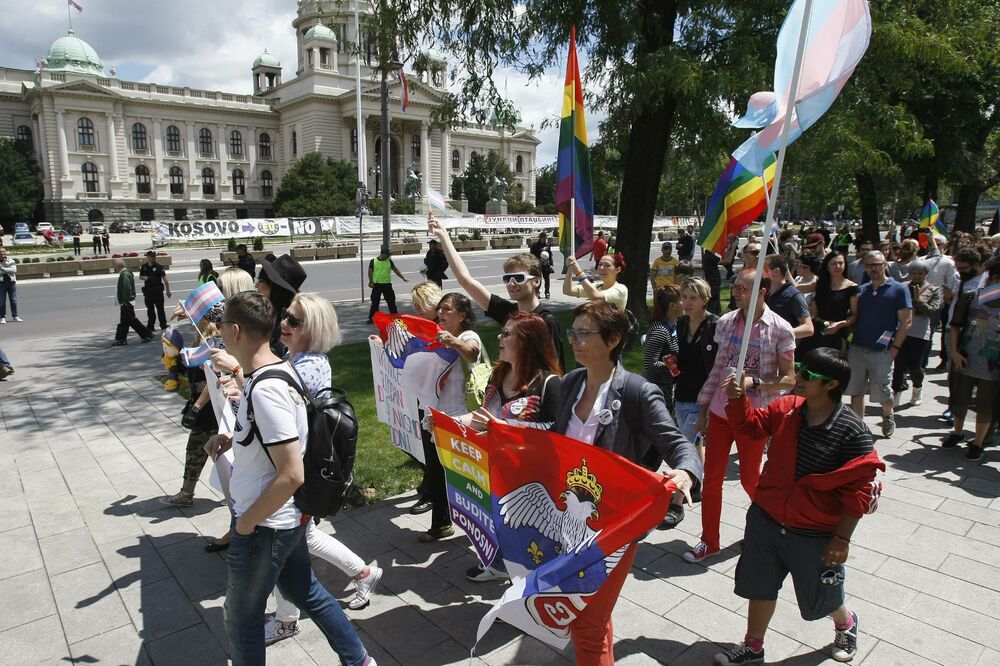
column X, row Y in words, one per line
column 481, row 574
column 275, row 630
column 363, row 588
column 18, row 319
column 3, row 320
column 915, row 397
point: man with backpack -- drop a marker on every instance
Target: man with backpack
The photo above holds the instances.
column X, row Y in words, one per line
column 541, row 249
column 267, row 547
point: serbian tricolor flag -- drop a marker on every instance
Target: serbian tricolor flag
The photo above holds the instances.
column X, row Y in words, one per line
column 930, row 218
column 574, row 189
column 738, row 199
column 562, row 514
column 201, row 300
column 406, row 335
column 76, row 5
column 404, row 95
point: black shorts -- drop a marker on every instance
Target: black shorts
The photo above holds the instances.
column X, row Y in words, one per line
column 771, row 552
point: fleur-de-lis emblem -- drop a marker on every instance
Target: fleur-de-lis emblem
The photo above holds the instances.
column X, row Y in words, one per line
column 536, row 553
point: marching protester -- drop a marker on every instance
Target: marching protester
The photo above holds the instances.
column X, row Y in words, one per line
column 435, row 263
column 806, row 276
column 710, row 268
column 596, row 398
column 610, row 289
column 659, row 361
column 380, row 270
column 6, row 367
column 767, row 372
column 696, row 352
column 966, row 278
column 541, row 249
column 154, row 283
column 125, row 299
column 600, row 248
column 662, row 271
column 817, row 483
column 522, row 277
column 268, row 547
column 926, row 299
column 786, row 301
column 279, row 280
column 834, row 307
column 8, row 287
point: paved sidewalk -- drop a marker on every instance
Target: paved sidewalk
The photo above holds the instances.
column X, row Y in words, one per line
column 95, row 570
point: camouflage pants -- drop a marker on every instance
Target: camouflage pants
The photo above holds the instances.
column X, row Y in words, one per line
column 194, row 459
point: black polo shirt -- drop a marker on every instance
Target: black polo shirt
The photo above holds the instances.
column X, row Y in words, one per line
column 153, row 275
column 789, row 304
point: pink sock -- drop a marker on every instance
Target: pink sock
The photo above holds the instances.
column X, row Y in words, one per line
column 755, row 644
column 847, row 625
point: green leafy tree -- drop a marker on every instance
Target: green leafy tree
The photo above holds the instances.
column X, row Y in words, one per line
column 479, row 176
column 317, row 186
column 545, row 190
column 20, row 187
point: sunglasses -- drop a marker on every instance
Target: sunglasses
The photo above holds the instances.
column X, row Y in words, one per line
column 809, row 375
column 293, row 321
column 516, row 278
column 579, row 334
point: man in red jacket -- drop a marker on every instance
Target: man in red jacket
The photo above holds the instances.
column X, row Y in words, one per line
column 819, row 479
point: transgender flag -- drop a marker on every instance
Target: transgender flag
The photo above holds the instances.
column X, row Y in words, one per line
column 76, row 5
column 195, row 356
column 201, row 300
column 573, row 182
column 837, row 36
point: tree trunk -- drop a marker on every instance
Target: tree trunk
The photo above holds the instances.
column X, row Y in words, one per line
column 968, row 199
column 642, row 163
column 995, row 224
column 869, row 205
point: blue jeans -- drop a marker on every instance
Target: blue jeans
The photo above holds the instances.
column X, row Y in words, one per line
column 687, row 416
column 270, row 557
column 8, row 291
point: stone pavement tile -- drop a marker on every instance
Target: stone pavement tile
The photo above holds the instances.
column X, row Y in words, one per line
column 199, row 573
column 136, row 486
column 458, row 615
column 108, row 524
column 921, row 638
column 446, row 653
column 979, row 489
column 209, row 516
column 448, row 574
column 697, row 580
column 15, row 513
column 958, row 620
column 54, row 514
column 701, row 653
column 525, row 650
column 895, row 547
column 863, row 559
column 45, row 483
column 652, row 633
column 875, row 588
column 88, row 602
column 68, row 550
column 19, row 552
column 75, row 460
column 405, row 633
column 912, row 495
column 34, row 459
column 105, row 445
column 195, row 645
column 118, row 646
column 914, row 515
column 91, row 486
column 212, row 615
column 26, row 598
column 987, row 516
column 166, row 527
column 376, row 651
column 119, row 463
column 133, row 561
column 10, row 482
column 37, row 642
column 652, row 593
column 973, row 571
column 368, row 545
column 928, row 537
column 633, row 653
column 159, row 609
column 164, row 468
column 989, row 658
column 293, row 654
column 985, row 533
column 951, row 589
column 946, row 490
column 716, row 623
column 146, row 449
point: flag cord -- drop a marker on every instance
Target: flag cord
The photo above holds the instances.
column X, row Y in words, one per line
column 786, row 128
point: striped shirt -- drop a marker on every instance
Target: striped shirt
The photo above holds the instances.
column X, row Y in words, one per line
column 661, row 340
column 832, row 444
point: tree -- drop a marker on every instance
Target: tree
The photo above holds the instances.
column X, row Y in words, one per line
column 20, row 187
column 479, row 176
column 317, row 186
column 545, row 190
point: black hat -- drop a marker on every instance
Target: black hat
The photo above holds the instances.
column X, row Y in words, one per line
column 150, row 253
column 285, row 272
column 432, row 241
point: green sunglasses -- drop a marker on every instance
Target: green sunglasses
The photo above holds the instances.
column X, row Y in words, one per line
column 809, row 374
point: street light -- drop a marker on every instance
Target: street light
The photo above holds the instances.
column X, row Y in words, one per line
column 395, row 66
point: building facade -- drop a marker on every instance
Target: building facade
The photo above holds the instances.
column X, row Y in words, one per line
column 122, row 150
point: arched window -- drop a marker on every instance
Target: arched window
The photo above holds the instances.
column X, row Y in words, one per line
column 519, row 164
column 456, row 160
column 24, row 136
column 207, row 181
column 266, row 184
column 85, row 133
column 295, row 143
column 415, row 146
column 173, row 139
column 176, row 180
column 239, row 186
column 264, row 145
column 205, row 142
column 141, row 180
column 236, row 143
column 89, row 177
column 139, row 141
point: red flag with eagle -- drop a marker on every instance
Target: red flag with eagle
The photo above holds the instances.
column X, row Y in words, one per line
column 411, row 345
column 563, row 513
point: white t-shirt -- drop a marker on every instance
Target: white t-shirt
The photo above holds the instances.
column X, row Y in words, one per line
column 437, row 383
column 280, row 415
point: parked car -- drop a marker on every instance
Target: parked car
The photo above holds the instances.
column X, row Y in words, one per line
column 143, row 225
column 120, row 228
column 25, row 238
column 70, row 228
column 96, row 228
column 42, row 227
column 21, row 227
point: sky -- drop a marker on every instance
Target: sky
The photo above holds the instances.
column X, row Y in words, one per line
column 211, row 45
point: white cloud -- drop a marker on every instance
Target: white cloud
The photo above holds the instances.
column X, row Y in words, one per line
column 212, row 45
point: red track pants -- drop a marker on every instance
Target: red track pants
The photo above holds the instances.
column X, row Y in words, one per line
column 718, row 443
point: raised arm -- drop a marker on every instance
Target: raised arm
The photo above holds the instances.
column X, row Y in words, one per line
column 474, row 288
column 585, row 289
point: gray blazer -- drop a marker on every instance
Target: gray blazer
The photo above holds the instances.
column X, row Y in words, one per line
column 658, row 428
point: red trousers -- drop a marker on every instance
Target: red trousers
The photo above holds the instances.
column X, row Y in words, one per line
column 718, row 443
column 592, row 633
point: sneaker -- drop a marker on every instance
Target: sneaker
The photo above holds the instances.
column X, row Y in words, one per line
column 675, row 514
column 180, row 499
column 915, row 397
column 119, row 343
column 845, row 642
column 699, row 553
column 740, row 654
column 436, row 533
column 18, row 319
column 888, row 426
column 275, row 630
column 974, row 453
column 363, row 588
column 481, row 574
column 952, row 440
column 948, row 418
column 3, row 320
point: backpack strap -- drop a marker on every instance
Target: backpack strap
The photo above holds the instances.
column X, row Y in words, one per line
column 267, row 374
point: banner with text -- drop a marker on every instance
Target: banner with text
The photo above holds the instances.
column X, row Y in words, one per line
column 393, row 406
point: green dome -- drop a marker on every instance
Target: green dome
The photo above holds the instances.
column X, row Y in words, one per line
column 72, row 54
column 320, row 31
column 265, row 59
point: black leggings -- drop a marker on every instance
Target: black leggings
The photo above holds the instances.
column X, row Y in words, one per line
column 434, row 482
column 910, row 359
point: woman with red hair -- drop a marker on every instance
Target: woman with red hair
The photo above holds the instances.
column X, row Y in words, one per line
column 610, row 289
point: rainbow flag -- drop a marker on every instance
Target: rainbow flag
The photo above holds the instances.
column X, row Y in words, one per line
column 573, row 169
column 736, row 202
column 930, row 218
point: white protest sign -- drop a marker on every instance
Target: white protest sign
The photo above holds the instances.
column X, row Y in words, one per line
column 394, row 406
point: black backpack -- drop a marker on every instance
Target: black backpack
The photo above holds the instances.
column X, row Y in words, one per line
column 330, row 449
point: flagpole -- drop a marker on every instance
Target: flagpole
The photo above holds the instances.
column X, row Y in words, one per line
column 362, row 151
column 69, row 15
column 202, row 335
column 786, row 128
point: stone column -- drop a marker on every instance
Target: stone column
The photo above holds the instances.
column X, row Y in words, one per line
column 223, row 159
column 370, row 157
column 531, row 177
column 251, row 148
column 43, row 151
column 425, row 158
column 112, row 146
column 157, row 150
column 446, row 162
column 63, row 148
column 192, row 152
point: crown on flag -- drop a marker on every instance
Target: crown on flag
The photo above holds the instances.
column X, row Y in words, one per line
column 581, row 478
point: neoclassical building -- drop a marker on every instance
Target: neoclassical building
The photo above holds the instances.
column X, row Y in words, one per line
column 122, row 150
